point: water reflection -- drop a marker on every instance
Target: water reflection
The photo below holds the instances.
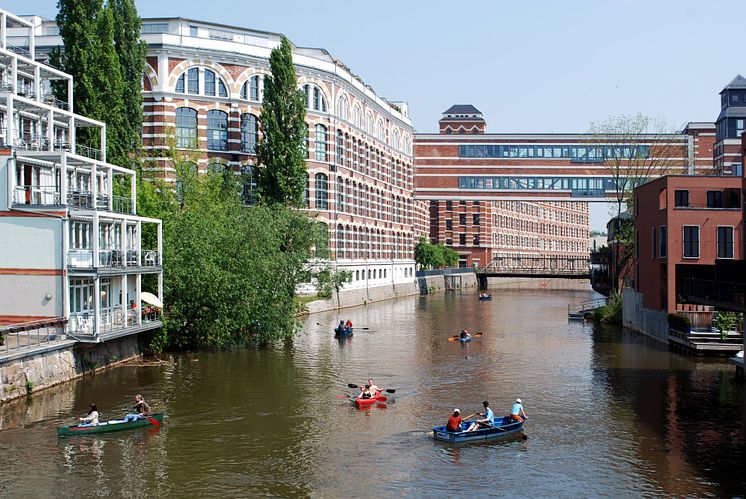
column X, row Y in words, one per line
column 611, row 412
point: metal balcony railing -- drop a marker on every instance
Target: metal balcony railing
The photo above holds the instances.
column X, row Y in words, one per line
column 83, row 200
column 54, row 101
column 151, row 258
column 36, row 195
column 80, row 258
column 30, row 334
column 18, row 50
column 121, row 204
column 110, row 258
column 88, row 152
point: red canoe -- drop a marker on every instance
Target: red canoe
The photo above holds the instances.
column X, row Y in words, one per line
column 361, row 402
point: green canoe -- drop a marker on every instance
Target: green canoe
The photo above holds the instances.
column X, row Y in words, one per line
column 111, row 425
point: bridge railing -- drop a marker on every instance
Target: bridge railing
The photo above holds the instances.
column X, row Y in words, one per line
column 446, row 271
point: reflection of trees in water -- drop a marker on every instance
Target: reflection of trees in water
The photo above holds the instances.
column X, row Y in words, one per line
column 687, row 414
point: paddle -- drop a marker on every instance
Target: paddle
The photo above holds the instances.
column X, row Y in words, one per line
column 322, row 324
column 153, row 421
column 475, row 335
column 387, row 390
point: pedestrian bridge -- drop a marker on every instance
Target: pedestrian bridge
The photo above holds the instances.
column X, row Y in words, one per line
column 537, row 266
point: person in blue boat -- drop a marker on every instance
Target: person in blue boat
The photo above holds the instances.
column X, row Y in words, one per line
column 340, row 329
column 464, row 334
column 486, row 421
column 92, row 418
column 516, row 412
column 454, row 422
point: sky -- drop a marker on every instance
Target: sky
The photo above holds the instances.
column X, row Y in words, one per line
column 529, row 66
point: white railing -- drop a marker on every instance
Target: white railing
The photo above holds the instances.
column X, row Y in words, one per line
column 80, row 258
column 36, row 195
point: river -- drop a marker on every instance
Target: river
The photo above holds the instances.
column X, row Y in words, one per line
column 610, row 413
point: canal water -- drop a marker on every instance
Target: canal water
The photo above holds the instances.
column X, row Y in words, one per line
column 610, row 413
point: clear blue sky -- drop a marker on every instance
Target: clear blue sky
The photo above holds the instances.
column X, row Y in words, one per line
column 539, row 66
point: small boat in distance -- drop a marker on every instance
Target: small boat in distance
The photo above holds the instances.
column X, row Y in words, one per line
column 484, row 296
column 465, row 339
column 344, row 333
column 108, row 426
column 501, row 427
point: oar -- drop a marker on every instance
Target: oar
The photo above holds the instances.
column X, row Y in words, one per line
column 470, row 416
column 153, row 421
column 342, row 396
column 322, row 324
column 475, row 335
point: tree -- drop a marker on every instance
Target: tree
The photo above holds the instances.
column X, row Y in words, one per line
column 131, row 53
column 281, row 149
column 329, row 279
column 633, row 149
column 428, row 255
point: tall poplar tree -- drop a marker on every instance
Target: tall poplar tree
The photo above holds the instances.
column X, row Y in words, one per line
column 102, row 51
column 131, row 52
column 281, row 150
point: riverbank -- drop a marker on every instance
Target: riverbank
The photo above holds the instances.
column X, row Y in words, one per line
column 420, row 286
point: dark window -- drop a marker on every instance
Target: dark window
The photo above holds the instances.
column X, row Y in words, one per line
column 475, row 203
column 186, row 127
column 681, row 198
column 714, row 199
column 449, row 224
column 663, row 242
column 322, row 194
column 691, row 241
column 475, row 240
column 217, row 130
column 725, row 242
column 462, row 219
column 249, row 130
column 475, row 218
column 180, row 84
column 340, row 148
column 462, row 203
column 449, row 242
column 209, row 82
column 320, row 143
column 462, row 239
column 449, row 205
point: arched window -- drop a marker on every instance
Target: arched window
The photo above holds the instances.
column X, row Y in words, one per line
column 217, row 130
column 357, row 116
column 249, row 131
column 395, row 140
column 340, row 148
column 188, row 82
column 315, row 98
column 186, row 127
column 348, row 241
column 215, row 168
column 321, row 154
column 369, row 123
column 214, row 85
column 344, row 109
column 322, row 196
column 250, row 89
column 379, row 131
column 340, row 194
column 348, row 193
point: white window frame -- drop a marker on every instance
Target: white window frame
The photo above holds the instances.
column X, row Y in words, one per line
column 699, row 243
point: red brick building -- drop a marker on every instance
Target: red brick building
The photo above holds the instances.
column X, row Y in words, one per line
column 683, row 225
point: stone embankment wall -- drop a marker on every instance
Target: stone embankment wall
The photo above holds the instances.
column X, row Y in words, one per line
column 653, row 323
column 36, row 370
column 495, row 283
column 356, row 297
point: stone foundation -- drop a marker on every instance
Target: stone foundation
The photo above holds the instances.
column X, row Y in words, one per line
column 39, row 370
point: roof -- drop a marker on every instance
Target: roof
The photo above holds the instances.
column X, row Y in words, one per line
column 464, row 109
column 739, row 82
column 732, row 112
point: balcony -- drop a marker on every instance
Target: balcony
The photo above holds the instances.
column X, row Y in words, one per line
column 83, row 200
column 724, row 295
column 121, row 204
column 88, row 152
column 113, row 321
column 36, row 195
column 113, row 259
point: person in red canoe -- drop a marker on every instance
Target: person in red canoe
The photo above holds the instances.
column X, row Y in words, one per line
column 454, row 422
column 365, row 393
column 373, row 387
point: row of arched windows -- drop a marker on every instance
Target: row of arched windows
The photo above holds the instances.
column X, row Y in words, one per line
column 360, row 199
column 366, row 242
column 360, row 156
column 377, row 130
column 217, row 130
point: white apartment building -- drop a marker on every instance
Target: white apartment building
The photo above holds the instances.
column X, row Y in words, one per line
column 72, row 248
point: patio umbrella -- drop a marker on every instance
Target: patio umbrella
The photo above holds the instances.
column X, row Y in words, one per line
column 151, row 299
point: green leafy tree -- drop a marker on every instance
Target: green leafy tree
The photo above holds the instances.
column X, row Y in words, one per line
column 281, row 149
column 328, row 280
column 131, row 53
column 428, row 255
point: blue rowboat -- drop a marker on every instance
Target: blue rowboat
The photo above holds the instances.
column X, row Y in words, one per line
column 484, row 298
column 501, row 427
column 465, row 340
column 346, row 332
